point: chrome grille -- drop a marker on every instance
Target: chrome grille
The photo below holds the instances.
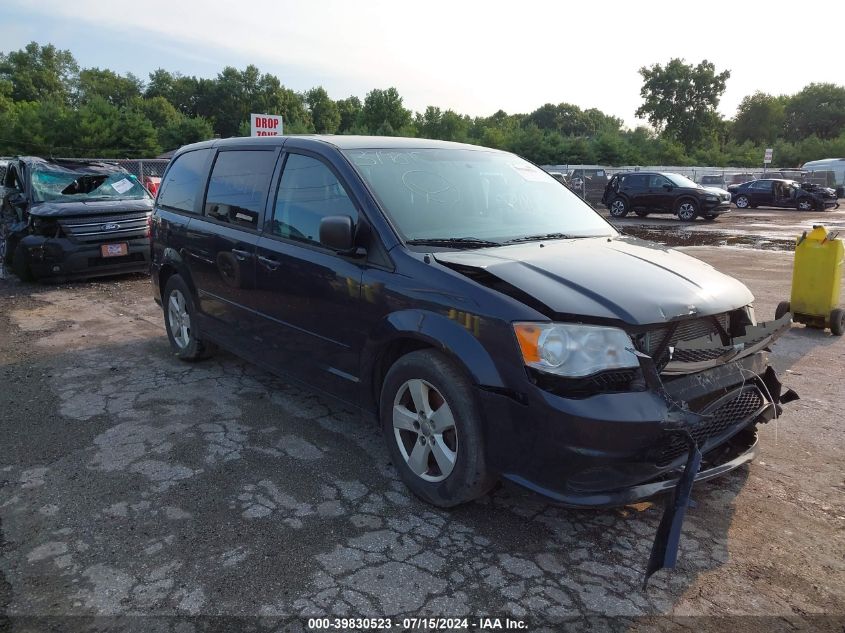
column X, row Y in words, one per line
column 720, row 419
column 97, row 229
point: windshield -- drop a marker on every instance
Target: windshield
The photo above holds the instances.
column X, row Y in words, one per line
column 60, row 185
column 682, row 181
column 444, row 194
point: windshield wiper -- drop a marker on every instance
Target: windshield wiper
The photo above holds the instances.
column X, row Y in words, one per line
column 537, row 238
column 456, row 242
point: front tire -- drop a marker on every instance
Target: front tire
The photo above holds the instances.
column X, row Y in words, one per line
column 742, row 202
column 687, row 210
column 805, row 204
column 180, row 321
column 618, row 207
column 20, row 264
column 431, row 423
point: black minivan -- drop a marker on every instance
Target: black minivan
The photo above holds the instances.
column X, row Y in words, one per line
column 496, row 325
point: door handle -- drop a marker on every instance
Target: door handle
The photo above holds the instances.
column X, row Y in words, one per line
column 240, row 255
column 268, row 262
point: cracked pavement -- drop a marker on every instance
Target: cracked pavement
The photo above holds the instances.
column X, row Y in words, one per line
column 133, row 483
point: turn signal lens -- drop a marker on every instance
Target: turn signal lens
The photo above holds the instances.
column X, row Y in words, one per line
column 528, row 336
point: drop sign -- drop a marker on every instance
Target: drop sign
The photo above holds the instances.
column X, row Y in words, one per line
column 265, row 124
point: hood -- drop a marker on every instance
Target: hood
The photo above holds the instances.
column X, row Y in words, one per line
column 620, row 278
column 716, row 190
column 94, row 207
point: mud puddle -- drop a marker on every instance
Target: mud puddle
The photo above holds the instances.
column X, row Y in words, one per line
column 679, row 237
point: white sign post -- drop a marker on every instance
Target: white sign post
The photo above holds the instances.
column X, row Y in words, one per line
column 767, row 157
column 265, row 124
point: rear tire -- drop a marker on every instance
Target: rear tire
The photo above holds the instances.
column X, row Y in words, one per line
column 431, row 423
column 805, row 204
column 783, row 308
column 742, row 202
column 180, row 321
column 618, row 207
column 837, row 322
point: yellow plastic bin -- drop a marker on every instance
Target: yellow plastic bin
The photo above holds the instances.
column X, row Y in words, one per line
column 816, row 281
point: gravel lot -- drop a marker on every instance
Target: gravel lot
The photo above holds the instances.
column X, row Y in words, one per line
column 132, row 483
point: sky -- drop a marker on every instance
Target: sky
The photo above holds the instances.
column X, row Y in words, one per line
column 473, row 57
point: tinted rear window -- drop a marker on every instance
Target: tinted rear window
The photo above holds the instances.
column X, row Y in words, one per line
column 184, row 181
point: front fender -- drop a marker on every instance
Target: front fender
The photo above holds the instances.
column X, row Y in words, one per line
column 454, row 333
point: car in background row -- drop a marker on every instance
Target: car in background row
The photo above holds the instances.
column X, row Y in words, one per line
column 588, row 182
column 713, row 180
column 656, row 192
column 73, row 218
column 834, row 165
column 782, row 193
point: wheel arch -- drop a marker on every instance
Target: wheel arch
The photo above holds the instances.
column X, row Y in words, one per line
column 687, row 198
column 172, row 263
column 410, row 330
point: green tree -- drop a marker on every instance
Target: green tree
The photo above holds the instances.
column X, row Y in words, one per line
column 383, row 112
column 237, row 93
column 325, row 114
column 104, row 130
column 819, row 109
column 759, row 118
column 610, row 149
column 184, row 130
column 681, row 99
column 32, row 127
column 158, row 110
column 189, row 95
column 350, row 114
column 116, row 89
column 39, row 73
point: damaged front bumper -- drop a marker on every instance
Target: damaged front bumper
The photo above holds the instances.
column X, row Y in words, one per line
column 61, row 258
column 692, row 420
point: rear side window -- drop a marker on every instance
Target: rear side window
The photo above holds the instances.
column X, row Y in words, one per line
column 238, row 186
column 636, row 181
column 184, row 181
column 307, row 193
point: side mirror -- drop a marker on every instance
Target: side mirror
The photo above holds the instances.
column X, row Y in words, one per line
column 338, row 233
column 667, row 187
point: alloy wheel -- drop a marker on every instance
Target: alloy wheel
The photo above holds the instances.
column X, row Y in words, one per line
column 425, row 431
column 687, row 211
column 179, row 319
column 742, row 202
column 617, row 208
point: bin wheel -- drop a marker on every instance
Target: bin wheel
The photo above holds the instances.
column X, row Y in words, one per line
column 783, row 308
column 837, row 321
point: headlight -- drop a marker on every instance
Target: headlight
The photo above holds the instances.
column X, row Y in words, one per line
column 711, row 198
column 574, row 350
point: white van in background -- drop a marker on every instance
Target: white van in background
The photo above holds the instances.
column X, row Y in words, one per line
column 836, row 165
